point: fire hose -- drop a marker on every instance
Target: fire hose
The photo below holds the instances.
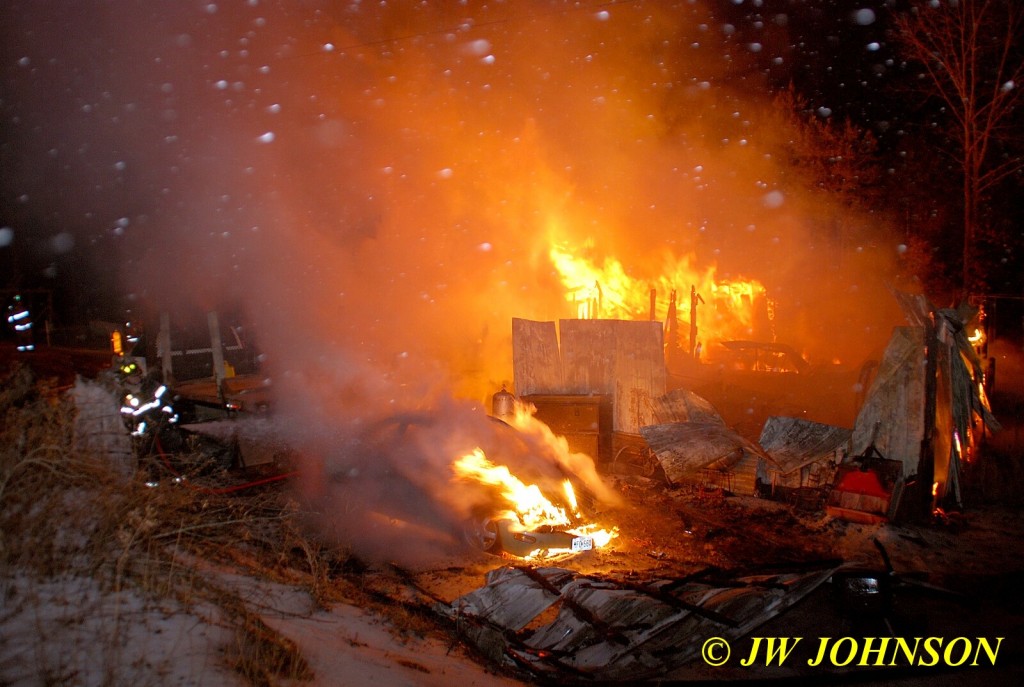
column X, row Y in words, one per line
column 219, row 490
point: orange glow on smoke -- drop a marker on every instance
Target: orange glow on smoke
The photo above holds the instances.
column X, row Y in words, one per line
column 578, row 464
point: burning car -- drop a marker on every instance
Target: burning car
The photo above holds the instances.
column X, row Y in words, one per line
column 415, row 487
column 509, row 536
column 525, row 522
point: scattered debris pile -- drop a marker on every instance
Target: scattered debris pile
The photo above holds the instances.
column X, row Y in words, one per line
column 915, row 435
column 708, row 451
column 617, row 629
column 806, row 452
column 927, row 407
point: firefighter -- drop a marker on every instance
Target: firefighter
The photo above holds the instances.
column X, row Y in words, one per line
column 20, row 319
column 147, row 404
column 148, row 411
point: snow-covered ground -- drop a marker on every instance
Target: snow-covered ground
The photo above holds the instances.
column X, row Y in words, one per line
column 69, row 631
column 104, row 581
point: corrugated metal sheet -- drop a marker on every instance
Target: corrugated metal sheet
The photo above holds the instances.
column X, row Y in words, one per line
column 685, row 449
column 795, row 442
column 958, row 398
column 614, row 630
column 893, row 416
column 682, row 405
column 514, row 596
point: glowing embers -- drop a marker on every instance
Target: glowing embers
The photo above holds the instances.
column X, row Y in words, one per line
column 527, row 523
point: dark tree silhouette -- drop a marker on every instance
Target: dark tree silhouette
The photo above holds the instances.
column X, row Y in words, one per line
column 969, row 54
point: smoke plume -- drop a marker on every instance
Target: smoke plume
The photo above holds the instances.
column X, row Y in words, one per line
column 380, row 185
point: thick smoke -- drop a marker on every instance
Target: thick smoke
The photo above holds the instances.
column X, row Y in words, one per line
column 379, row 186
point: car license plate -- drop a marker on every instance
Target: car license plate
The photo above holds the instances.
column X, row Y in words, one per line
column 582, row 543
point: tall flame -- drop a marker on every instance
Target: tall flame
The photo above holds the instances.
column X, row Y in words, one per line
column 528, row 507
column 728, row 310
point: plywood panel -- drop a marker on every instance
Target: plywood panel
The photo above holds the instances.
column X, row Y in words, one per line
column 621, row 359
column 536, row 365
column 588, row 355
column 618, row 357
column 639, row 373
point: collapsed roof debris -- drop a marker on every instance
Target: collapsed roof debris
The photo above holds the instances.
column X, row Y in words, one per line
column 795, row 443
column 805, row 451
column 614, row 629
column 926, row 410
column 682, row 405
column 686, row 449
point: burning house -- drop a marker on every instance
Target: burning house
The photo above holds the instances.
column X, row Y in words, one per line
column 389, row 207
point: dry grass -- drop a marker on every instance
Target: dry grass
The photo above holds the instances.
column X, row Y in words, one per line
column 68, row 514
column 64, row 514
column 262, row 655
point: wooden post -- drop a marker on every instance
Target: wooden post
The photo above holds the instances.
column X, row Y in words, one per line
column 671, row 332
column 216, row 347
column 163, row 347
column 694, row 299
column 926, row 459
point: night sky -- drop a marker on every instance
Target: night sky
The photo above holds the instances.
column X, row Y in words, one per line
column 351, row 158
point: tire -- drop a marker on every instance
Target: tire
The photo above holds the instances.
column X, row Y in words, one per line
column 482, row 534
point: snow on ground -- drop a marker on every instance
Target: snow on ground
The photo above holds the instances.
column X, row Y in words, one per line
column 70, row 632
column 349, row 646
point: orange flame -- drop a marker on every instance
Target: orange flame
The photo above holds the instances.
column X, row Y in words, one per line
column 527, row 505
column 608, row 291
column 532, row 508
column 579, row 465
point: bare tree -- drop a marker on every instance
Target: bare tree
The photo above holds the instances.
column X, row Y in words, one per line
column 839, row 156
column 970, row 51
column 838, row 159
